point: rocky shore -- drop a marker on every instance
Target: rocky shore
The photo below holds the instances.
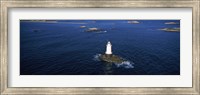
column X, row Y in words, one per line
column 43, row 21
column 111, row 58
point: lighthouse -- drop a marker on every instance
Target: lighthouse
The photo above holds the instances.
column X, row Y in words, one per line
column 108, row 48
column 109, row 57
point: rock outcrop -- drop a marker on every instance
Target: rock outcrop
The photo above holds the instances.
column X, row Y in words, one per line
column 82, row 26
column 111, row 58
column 171, row 23
column 171, row 29
column 94, row 30
column 133, row 22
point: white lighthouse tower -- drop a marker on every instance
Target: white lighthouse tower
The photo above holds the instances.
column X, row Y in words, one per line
column 108, row 48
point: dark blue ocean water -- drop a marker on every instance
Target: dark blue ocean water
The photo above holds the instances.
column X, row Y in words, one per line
column 63, row 48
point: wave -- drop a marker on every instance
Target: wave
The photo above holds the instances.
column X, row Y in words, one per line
column 125, row 64
column 97, row 57
column 101, row 32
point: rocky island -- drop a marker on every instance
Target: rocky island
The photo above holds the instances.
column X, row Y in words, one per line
column 43, row 21
column 109, row 57
column 171, row 29
column 171, row 23
column 133, row 22
column 82, row 26
column 94, row 30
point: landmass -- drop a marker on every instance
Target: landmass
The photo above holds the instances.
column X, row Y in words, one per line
column 82, row 26
column 111, row 58
column 171, row 23
column 171, row 29
column 133, row 22
column 46, row 21
column 94, row 30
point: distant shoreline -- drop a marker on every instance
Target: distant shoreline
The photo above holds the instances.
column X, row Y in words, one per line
column 52, row 21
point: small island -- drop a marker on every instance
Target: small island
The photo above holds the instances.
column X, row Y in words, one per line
column 171, row 23
column 82, row 26
column 42, row 21
column 109, row 57
column 94, row 30
column 133, row 22
column 171, row 29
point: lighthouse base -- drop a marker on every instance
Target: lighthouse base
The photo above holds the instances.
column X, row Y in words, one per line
column 111, row 58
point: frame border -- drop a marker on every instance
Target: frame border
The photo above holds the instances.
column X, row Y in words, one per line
column 6, row 4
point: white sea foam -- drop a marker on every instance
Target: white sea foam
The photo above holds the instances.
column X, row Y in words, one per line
column 96, row 57
column 125, row 64
column 101, row 32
